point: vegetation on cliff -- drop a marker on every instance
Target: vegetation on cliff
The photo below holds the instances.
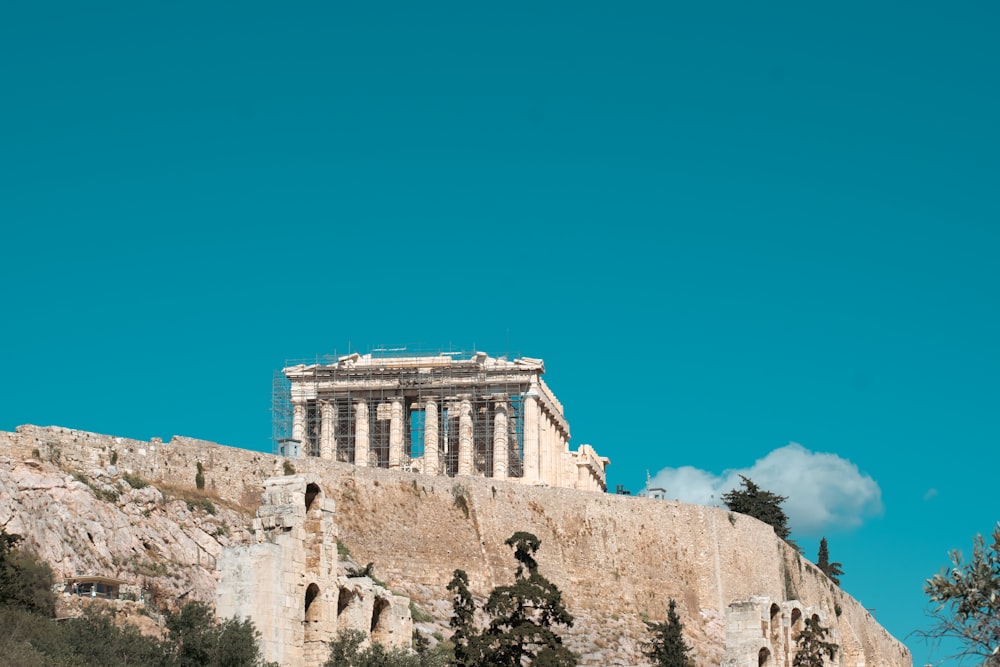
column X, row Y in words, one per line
column 760, row 504
column 831, row 570
column 30, row 636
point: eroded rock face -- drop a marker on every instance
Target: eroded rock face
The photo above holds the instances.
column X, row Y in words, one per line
column 95, row 523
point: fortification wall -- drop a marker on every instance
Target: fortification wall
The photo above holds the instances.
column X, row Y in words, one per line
column 617, row 559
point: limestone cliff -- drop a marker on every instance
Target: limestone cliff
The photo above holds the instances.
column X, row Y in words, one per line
column 95, row 523
column 617, row 559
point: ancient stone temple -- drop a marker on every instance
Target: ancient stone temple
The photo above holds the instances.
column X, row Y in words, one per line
column 293, row 586
column 439, row 415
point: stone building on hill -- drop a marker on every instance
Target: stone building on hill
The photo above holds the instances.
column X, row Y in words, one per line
column 438, row 415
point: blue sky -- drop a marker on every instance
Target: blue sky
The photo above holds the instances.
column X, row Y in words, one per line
column 726, row 228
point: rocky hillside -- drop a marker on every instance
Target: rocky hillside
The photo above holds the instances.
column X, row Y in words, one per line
column 94, row 522
column 617, row 559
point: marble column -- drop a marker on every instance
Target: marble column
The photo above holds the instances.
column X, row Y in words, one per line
column 500, row 439
column 544, row 448
column 465, row 438
column 362, row 445
column 299, row 423
column 430, row 438
column 327, row 434
column 396, row 433
column 530, row 465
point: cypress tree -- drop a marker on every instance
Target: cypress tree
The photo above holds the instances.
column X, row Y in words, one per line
column 667, row 648
column 831, row 570
column 462, row 621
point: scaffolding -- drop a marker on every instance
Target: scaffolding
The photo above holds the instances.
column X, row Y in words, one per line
column 281, row 411
column 332, row 389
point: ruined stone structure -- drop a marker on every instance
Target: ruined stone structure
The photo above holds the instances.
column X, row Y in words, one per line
column 439, row 415
column 762, row 633
column 291, row 585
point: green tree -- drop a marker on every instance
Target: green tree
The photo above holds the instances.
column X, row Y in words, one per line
column 966, row 602
column 831, row 570
column 346, row 651
column 811, row 645
column 760, row 504
column 25, row 581
column 523, row 614
column 94, row 639
column 667, row 647
column 195, row 639
column 462, row 621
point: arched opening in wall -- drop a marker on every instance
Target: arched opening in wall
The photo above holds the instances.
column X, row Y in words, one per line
column 344, row 601
column 312, row 492
column 763, row 657
column 775, row 621
column 312, row 607
column 380, row 618
column 796, row 622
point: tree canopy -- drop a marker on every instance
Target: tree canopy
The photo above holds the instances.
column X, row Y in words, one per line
column 667, row 647
column 522, row 616
column 811, row 645
column 965, row 601
column 25, row 581
column 348, row 650
column 760, row 504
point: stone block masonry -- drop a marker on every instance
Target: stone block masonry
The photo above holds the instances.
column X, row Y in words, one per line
column 291, row 584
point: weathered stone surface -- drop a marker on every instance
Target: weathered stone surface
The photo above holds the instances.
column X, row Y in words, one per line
column 139, row 537
column 616, row 558
column 291, row 582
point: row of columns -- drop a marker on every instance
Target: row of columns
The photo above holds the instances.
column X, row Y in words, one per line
column 432, row 463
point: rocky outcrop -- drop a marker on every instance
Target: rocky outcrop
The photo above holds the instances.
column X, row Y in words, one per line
column 93, row 522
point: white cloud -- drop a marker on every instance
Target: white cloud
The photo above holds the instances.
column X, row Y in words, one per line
column 931, row 493
column 824, row 490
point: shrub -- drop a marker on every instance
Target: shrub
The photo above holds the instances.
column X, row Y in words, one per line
column 419, row 615
column 204, row 504
column 342, row 550
column 135, row 481
column 199, row 477
column 461, row 496
column 288, row 467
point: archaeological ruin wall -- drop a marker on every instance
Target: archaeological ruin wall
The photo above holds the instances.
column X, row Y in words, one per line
column 291, row 583
column 761, row 632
